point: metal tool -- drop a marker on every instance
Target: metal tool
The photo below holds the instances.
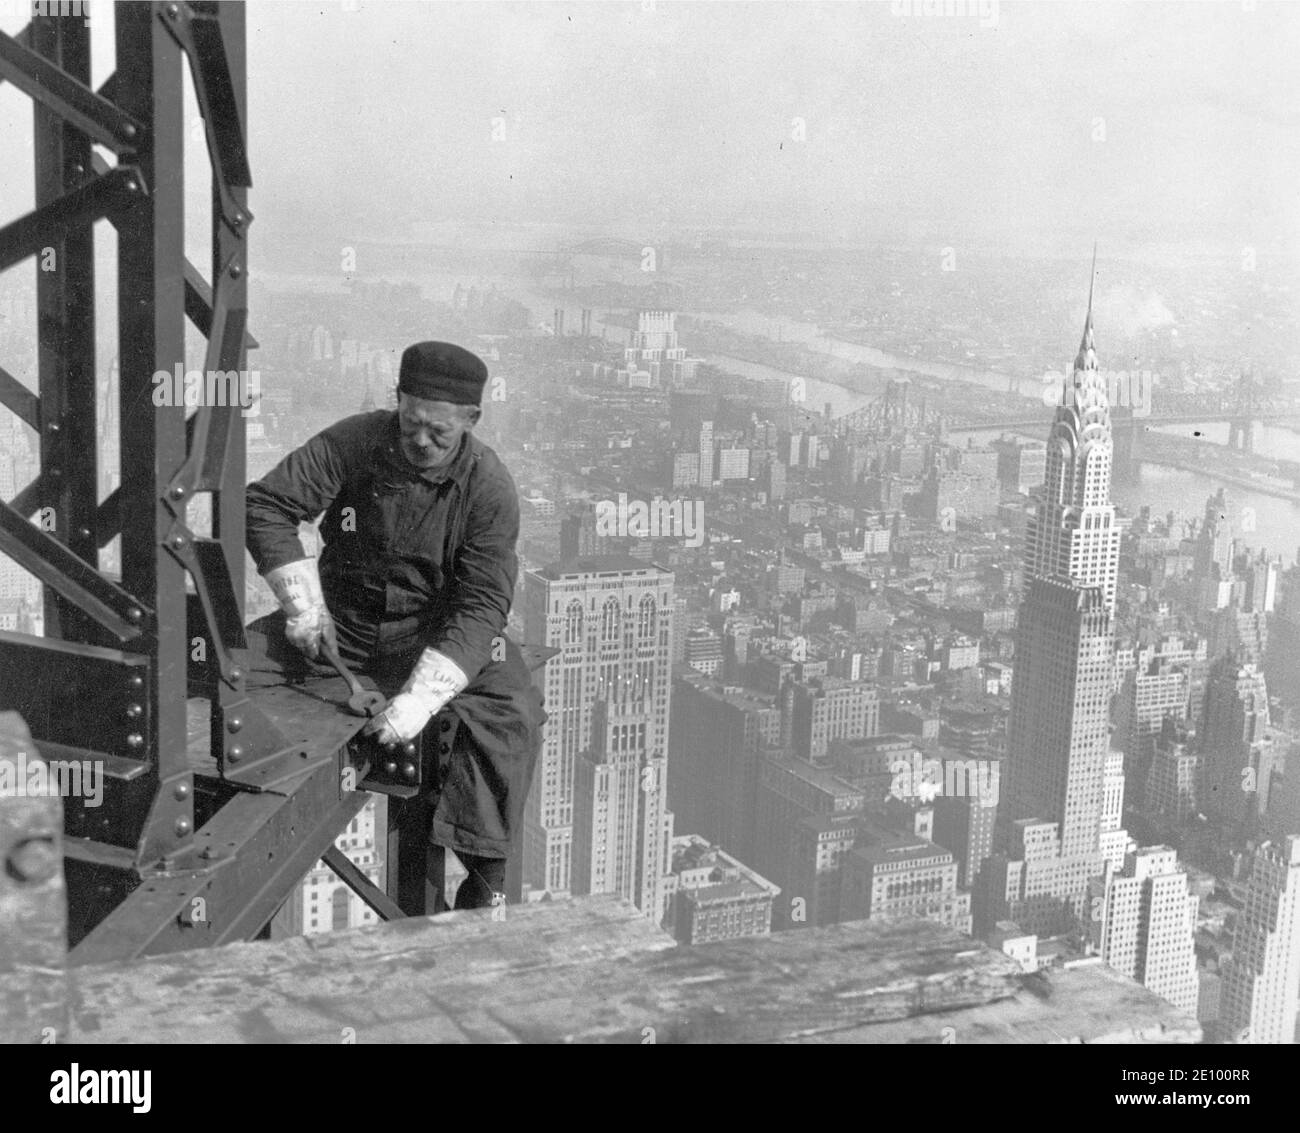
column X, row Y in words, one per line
column 362, row 701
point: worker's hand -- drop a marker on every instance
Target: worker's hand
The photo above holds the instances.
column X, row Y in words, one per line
column 432, row 683
column 399, row 723
column 307, row 619
column 309, row 629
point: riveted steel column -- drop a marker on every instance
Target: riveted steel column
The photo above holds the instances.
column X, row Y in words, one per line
column 151, row 314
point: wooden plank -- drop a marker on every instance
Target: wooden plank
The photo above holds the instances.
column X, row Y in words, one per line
column 33, row 903
column 385, row 982
column 1091, row 1004
column 588, row 970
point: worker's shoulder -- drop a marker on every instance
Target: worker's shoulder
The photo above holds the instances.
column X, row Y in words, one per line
column 358, row 431
column 488, row 467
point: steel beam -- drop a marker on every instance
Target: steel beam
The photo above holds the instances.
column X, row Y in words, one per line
column 60, row 90
column 151, row 335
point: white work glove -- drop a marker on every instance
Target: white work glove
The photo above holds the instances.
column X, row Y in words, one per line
column 307, row 620
column 432, row 683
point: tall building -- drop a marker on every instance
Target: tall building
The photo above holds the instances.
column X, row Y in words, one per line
column 1262, row 982
column 807, row 821
column 715, row 896
column 597, row 819
column 830, row 709
column 706, row 454
column 1144, row 923
column 894, row 875
column 1058, row 730
column 704, row 650
column 1237, row 751
column 653, row 347
column 1022, row 464
column 717, row 737
column 321, row 901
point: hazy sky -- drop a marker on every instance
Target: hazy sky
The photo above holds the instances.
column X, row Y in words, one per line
column 1005, row 123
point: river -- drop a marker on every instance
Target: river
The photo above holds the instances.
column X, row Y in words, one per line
column 1276, row 522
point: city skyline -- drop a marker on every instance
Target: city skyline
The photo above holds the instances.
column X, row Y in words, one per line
column 808, row 607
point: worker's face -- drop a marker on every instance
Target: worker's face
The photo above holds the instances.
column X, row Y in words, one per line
column 431, row 430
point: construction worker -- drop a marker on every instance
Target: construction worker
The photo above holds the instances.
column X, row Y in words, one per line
column 413, row 587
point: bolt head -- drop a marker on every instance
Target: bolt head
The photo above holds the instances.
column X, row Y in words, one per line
column 33, row 860
column 177, row 492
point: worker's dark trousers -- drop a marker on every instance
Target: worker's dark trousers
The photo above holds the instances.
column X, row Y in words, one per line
column 420, row 877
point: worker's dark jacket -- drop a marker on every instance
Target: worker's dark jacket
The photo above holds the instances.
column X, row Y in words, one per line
column 411, row 559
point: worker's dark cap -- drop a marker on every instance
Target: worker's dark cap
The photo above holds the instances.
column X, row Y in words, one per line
column 442, row 371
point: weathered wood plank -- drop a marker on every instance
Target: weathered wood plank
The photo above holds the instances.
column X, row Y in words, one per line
column 1090, row 1004
column 33, row 904
column 386, row 982
column 580, row 971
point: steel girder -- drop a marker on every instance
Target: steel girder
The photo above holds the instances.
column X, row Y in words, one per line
column 229, row 825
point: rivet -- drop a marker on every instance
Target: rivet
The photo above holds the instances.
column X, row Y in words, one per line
column 408, row 769
column 54, row 427
column 181, row 791
column 178, row 491
column 135, row 741
column 236, row 271
column 234, row 723
column 134, row 711
column 235, row 754
column 390, row 768
column 173, row 10
column 135, row 681
column 134, row 614
column 408, row 749
column 177, row 541
column 34, row 860
column 83, row 532
column 236, row 673
column 182, row 827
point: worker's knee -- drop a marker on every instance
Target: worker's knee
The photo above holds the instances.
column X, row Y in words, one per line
column 485, row 884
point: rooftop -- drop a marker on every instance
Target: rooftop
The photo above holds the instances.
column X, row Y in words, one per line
column 597, row 564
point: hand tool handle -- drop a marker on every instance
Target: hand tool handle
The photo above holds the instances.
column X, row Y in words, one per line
column 333, row 658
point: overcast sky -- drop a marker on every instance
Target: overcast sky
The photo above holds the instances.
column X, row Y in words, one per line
column 1006, row 123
